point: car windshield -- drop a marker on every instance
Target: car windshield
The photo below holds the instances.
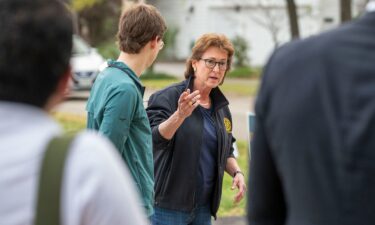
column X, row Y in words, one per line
column 80, row 47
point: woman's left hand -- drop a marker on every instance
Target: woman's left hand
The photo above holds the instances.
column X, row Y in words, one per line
column 239, row 182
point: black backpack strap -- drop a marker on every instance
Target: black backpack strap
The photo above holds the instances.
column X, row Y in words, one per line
column 51, row 175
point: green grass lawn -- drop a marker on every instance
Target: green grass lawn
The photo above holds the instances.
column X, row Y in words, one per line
column 237, row 87
column 227, row 206
column 158, row 84
column 72, row 124
column 240, row 87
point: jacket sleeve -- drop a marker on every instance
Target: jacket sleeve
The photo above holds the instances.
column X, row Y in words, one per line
column 158, row 110
column 233, row 139
column 266, row 202
column 231, row 151
column 117, row 116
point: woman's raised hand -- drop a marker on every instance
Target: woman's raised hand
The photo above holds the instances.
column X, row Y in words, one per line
column 187, row 103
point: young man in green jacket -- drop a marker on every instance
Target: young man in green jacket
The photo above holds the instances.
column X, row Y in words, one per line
column 115, row 106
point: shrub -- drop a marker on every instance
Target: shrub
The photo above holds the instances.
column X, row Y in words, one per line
column 168, row 53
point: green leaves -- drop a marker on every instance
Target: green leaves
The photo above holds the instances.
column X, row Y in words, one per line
column 80, row 5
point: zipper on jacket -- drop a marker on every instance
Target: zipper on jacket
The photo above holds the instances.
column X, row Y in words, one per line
column 219, row 162
column 194, row 199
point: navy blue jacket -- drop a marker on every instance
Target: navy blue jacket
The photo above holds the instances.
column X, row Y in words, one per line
column 313, row 152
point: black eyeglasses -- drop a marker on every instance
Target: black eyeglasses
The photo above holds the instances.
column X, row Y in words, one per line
column 210, row 63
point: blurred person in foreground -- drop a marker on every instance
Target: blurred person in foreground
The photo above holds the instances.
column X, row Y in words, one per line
column 192, row 136
column 313, row 152
column 115, row 107
column 36, row 44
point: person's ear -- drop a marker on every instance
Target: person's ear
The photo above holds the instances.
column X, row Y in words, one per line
column 65, row 82
column 194, row 65
column 154, row 42
column 61, row 91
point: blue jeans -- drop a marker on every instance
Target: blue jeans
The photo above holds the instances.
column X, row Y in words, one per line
column 199, row 216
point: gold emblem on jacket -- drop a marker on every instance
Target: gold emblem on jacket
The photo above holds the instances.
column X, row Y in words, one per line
column 228, row 125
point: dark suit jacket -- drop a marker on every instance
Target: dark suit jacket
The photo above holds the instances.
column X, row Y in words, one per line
column 313, row 152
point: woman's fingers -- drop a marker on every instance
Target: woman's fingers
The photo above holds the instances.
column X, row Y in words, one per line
column 192, row 98
column 183, row 96
column 188, row 102
column 189, row 98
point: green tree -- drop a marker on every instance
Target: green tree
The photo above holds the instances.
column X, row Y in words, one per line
column 79, row 5
column 240, row 55
column 97, row 19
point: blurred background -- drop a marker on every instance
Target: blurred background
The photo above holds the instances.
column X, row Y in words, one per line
column 256, row 28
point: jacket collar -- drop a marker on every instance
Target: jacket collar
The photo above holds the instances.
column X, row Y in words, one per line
column 217, row 97
column 368, row 18
column 122, row 66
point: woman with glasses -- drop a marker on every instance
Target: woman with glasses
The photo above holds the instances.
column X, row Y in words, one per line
column 192, row 138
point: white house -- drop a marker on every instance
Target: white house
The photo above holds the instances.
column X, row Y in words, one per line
column 263, row 23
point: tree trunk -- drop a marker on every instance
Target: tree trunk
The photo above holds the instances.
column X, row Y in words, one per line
column 345, row 10
column 293, row 19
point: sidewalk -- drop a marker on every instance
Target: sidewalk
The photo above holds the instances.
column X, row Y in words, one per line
column 236, row 220
column 176, row 68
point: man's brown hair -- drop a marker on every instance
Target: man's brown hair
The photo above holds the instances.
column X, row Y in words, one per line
column 138, row 25
column 203, row 43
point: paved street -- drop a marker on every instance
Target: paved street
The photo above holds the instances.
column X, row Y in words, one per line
column 235, row 220
column 176, row 69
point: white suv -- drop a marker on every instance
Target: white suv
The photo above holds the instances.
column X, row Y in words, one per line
column 85, row 63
